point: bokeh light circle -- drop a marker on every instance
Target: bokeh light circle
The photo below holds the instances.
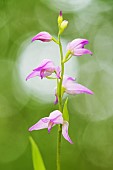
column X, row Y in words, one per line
column 67, row 6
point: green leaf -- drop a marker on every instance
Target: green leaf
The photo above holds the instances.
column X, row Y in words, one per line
column 65, row 111
column 36, row 156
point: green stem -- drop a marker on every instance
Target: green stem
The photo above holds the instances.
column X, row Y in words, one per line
column 55, row 40
column 59, row 86
column 65, row 60
column 62, row 73
column 59, row 146
column 51, row 78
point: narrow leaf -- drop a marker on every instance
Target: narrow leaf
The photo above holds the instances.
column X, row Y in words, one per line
column 36, row 156
column 65, row 111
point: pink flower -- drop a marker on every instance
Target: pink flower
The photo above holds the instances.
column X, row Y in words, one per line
column 54, row 118
column 76, row 47
column 42, row 36
column 70, row 86
column 46, row 68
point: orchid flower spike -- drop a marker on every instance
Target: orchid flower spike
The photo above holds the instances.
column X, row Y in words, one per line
column 54, row 118
column 45, row 69
column 70, row 86
column 76, row 47
column 42, row 36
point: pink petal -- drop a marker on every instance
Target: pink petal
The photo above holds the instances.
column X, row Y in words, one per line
column 33, row 74
column 58, row 70
column 56, row 99
column 82, row 51
column 77, row 43
column 56, row 117
column 68, row 80
column 39, row 125
column 71, row 87
column 76, row 88
column 42, row 36
column 46, row 68
column 44, row 63
column 65, row 132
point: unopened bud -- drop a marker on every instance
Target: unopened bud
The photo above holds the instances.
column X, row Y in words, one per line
column 60, row 18
column 63, row 26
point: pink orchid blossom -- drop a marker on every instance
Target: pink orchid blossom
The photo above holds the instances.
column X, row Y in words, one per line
column 54, row 118
column 76, row 47
column 46, row 68
column 42, row 36
column 70, row 86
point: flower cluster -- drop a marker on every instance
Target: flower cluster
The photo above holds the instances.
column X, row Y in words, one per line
column 68, row 84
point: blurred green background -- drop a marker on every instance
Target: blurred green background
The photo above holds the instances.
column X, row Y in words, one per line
column 23, row 103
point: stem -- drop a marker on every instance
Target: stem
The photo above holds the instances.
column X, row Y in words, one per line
column 51, row 78
column 59, row 146
column 59, row 86
column 62, row 73
column 55, row 40
column 65, row 60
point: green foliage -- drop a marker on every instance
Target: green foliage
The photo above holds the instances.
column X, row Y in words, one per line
column 65, row 111
column 36, row 156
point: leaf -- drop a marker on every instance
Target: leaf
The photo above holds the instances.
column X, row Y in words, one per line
column 36, row 156
column 65, row 111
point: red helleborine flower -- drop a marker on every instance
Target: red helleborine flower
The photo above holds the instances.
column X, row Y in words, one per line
column 54, row 118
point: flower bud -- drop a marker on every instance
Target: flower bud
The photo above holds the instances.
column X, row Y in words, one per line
column 42, row 36
column 60, row 18
column 63, row 26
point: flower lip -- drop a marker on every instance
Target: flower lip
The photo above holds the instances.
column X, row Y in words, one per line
column 50, row 125
column 79, row 52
